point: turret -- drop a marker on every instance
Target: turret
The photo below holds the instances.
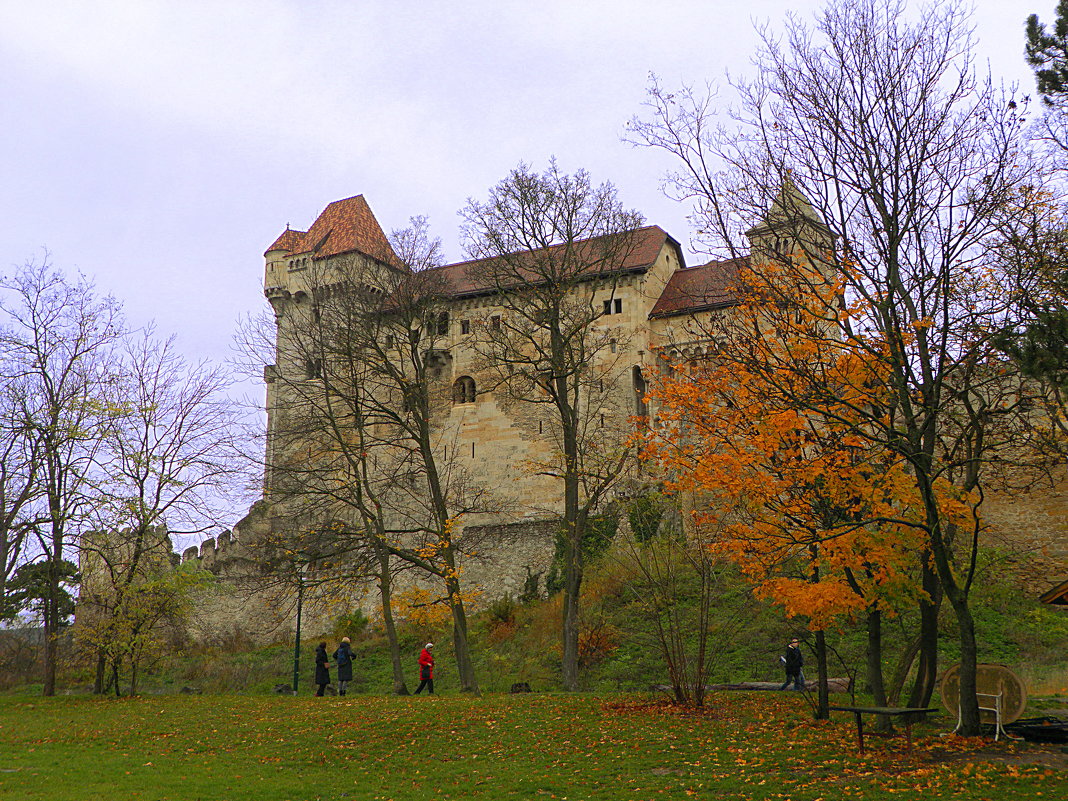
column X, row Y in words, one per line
column 277, row 258
column 791, row 227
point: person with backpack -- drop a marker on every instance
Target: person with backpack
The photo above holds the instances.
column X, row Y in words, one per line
column 426, row 669
column 343, row 658
column 793, row 660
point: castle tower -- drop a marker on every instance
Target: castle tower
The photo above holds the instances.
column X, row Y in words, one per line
column 792, row 228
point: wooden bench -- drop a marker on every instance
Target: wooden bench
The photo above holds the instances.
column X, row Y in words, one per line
column 889, row 711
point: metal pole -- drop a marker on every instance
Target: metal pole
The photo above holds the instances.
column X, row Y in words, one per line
column 296, row 645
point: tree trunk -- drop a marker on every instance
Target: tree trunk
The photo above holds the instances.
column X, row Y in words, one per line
column 823, row 699
column 957, row 596
column 101, row 666
column 573, row 531
column 969, row 704
column 51, row 622
column 927, row 669
column 462, row 647
column 875, row 668
column 901, row 671
column 385, row 589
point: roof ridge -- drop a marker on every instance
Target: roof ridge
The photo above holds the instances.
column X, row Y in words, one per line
column 549, row 247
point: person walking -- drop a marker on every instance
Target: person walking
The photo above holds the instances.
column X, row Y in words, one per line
column 322, row 669
column 343, row 658
column 793, row 660
column 426, row 669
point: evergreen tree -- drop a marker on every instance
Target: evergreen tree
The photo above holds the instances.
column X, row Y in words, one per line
column 1047, row 53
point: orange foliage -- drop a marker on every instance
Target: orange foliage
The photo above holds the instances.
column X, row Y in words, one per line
column 770, row 437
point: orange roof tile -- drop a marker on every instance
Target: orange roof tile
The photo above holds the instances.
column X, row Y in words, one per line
column 695, row 288
column 344, row 226
column 467, row 278
column 288, row 240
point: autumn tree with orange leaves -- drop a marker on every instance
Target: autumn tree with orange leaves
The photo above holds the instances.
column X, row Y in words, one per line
column 818, row 519
column 903, row 158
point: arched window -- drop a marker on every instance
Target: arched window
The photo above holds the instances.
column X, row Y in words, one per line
column 463, row 391
column 640, row 388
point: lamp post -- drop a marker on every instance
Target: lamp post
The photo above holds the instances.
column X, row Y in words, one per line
column 302, row 570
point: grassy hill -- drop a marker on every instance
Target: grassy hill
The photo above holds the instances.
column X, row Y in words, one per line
column 519, row 642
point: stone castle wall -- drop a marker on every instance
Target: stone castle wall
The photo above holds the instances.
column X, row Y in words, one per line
column 244, row 602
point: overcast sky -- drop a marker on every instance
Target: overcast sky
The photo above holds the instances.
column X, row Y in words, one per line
column 159, row 147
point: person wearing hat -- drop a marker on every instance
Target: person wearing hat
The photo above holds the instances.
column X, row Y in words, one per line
column 343, row 658
column 426, row 669
column 793, row 660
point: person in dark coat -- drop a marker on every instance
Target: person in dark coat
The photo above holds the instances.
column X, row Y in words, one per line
column 322, row 669
column 343, row 658
column 793, row 660
column 426, row 669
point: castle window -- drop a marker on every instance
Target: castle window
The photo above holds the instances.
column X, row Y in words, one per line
column 463, row 391
column 495, row 322
column 465, row 326
column 313, row 368
column 443, row 324
column 612, row 345
column 640, row 388
column 613, row 306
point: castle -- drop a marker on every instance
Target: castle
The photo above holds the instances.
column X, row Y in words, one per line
column 494, row 445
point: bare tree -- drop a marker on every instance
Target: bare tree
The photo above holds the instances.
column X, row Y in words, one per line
column 897, row 160
column 172, row 461
column 357, row 440
column 59, row 337
column 19, row 465
column 552, row 248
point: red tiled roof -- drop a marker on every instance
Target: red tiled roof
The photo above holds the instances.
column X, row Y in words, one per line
column 471, row 277
column 698, row 288
column 344, row 226
column 288, row 240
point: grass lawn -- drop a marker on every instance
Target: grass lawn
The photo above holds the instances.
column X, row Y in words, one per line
column 543, row 746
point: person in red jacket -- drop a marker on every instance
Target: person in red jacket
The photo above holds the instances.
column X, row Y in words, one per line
column 426, row 669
